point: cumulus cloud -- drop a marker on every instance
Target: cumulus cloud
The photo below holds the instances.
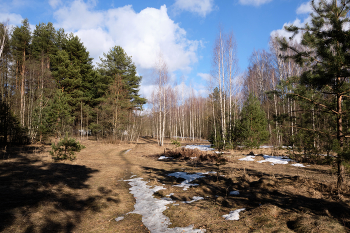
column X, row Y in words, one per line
column 304, row 8
column 254, row 2
column 14, row 19
column 142, row 34
column 200, row 7
column 55, row 3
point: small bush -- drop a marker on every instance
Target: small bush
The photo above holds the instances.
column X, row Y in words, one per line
column 176, row 143
column 65, row 149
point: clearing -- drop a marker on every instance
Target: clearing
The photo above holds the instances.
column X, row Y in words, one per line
column 126, row 188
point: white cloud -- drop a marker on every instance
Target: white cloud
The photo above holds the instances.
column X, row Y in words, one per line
column 200, row 7
column 304, row 8
column 283, row 33
column 254, row 2
column 14, row 19
column 142, row 35
column 204, row 76
column 54, row 3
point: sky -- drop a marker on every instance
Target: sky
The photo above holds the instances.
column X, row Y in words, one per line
column 182, row 31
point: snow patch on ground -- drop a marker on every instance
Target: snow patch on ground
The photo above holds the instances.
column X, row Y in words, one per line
column 298, row 165
column 272, row 160
column 152, row 208
column 234, row 192
column 248, row 158
column 194, row 198
column 275, row 159
column 164, row 157
column 127, row 151
column 233, row 215
column 188, row 178
column 119, row 218
column 199, row 147
column 266, row 147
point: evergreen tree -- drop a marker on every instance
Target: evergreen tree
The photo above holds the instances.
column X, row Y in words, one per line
column 20, row 42
column 57, row 115
column 117, row 63
column 328, row 62
column 251, row 131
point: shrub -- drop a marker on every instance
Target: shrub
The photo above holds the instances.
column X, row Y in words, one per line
column 176, row 142
column 65, row 149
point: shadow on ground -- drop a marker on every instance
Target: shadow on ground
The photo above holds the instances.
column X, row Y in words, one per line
column 260, row 189
column 40, row 197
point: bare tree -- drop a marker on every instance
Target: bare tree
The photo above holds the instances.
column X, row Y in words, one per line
column 161, row 70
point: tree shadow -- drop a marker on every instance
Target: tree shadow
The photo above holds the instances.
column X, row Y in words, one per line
column 30, row 185
column 264, row 189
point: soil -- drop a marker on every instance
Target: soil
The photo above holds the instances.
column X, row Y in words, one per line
column 87, row 194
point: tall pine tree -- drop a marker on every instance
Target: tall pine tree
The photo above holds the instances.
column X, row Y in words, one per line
column 328, row 67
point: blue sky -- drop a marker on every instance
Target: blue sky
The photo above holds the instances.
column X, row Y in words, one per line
column 184, row 31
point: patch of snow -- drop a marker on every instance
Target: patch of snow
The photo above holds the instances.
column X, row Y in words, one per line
column 207, row 173
column 164, row 157
column 298, row 165
column 127, row 151
column 199, row 147
column 188, row 178
column 119, row 218
column 132, row 176
column 152, row 208
column 194, row 198
column 171, row 194
column 248, row 158
column 176, row 204
column 193, row 157
column 266, row 147
column 275, row 159
column 234, row 192
column 233, row 215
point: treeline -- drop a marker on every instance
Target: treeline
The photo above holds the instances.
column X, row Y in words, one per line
column 49, row 87
column 295, row 113
column 294, row 94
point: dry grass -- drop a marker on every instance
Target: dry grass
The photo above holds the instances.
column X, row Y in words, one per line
column 86, row 195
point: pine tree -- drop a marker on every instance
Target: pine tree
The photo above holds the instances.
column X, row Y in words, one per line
column 119, row 73
column 251, row 131
column 20, row 42
column 117, row 62
column 328, row 66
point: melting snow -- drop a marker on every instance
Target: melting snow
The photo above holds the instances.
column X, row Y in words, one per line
column 298, row 165
column 119, row 218
column 127, row 151
column 272, row 160
column 188, row 178
column 152, row 208
column 195, row 198
column 266, row 147
column 200, row 147
column 233, row 215
column 248, row 158
column 164, row 157
column 275, row 159
column 234, row 192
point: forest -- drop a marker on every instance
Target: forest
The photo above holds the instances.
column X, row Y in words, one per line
column 293, row 95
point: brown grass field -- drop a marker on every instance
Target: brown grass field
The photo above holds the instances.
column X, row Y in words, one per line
column 87, row 194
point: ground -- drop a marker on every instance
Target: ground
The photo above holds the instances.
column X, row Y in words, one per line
column 89, row 193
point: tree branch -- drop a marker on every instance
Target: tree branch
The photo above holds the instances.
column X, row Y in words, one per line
column 310, row 100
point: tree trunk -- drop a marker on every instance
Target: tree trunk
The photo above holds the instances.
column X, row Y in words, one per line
column 341, row 143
